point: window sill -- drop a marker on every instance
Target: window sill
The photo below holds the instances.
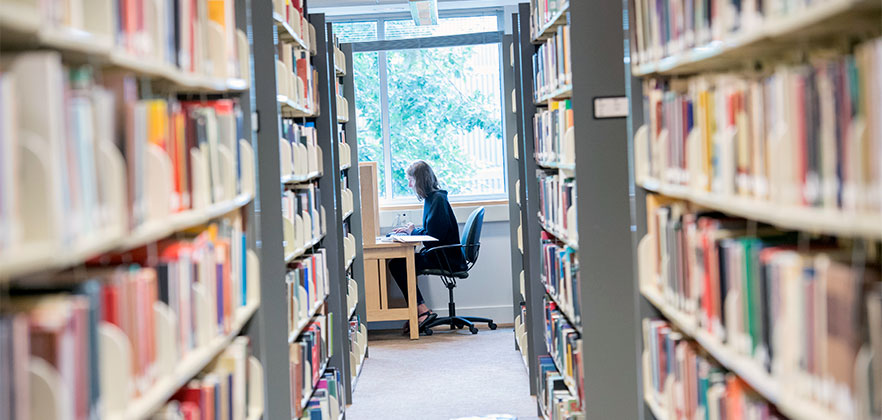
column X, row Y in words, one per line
column 495, row 211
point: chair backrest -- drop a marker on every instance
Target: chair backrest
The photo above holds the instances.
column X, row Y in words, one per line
column 471, row 235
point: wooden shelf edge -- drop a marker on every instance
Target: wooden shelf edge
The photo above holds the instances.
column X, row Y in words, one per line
column 806, row 219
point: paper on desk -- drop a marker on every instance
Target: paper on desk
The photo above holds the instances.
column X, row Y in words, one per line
column 407, row 238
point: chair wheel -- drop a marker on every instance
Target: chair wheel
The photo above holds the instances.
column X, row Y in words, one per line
column 473, row 329
column 491, row 325
column 459, row 326
column 428, row 331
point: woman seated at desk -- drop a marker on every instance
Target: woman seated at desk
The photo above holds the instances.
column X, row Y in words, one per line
column 438, row 222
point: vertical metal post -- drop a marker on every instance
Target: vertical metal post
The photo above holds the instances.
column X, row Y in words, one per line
column 534, row 289
column 355, row 222
column 328, row 139
column 272, row 316
column 610, row 321
column 510, row 134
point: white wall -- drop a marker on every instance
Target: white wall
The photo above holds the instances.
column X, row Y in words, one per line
column 488, row 290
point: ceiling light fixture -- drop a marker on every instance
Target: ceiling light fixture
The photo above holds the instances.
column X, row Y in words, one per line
column 424, row 12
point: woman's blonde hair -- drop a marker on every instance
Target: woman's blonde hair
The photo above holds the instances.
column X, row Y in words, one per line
column 424, row 180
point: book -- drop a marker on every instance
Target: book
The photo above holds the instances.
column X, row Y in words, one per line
column 793, row 308
column 686, row 383
column 798, row 135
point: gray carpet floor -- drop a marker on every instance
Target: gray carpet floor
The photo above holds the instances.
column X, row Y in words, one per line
column 445, row 376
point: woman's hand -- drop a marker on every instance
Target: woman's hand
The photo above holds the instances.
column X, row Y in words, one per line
column 407, row 229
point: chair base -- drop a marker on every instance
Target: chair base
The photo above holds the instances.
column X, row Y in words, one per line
column 459, row 322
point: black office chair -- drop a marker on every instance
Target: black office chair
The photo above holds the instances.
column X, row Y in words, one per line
column 470, row 245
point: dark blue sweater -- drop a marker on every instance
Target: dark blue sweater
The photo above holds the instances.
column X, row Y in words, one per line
column 440, row 222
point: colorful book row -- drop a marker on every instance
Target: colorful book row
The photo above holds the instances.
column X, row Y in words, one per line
column 802, row 310
column 683, row 382
column 801, row 136
column 146, row 320
column 230, row 388
column 196, row 37
column 557, row 206
column 554, row 135
column 300, row 154
column 552, row 65
column 87, row 163
column 307, row 282
column 564, row 345
column 560, row 275
column 308, row 359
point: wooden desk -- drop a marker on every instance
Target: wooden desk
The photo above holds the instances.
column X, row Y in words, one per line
column 377, row 305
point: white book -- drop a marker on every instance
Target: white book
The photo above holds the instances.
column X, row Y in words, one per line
column 39, row 81
column 9, row 224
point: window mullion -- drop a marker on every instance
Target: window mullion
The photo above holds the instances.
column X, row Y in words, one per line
column 384, row 109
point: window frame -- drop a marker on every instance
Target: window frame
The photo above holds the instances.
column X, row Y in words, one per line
column 382, row 46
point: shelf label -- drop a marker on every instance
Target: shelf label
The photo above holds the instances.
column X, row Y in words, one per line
column 610, row 107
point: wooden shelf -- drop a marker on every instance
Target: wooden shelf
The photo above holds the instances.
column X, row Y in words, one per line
column 193, row 363
column 777, row 393
column 772, row 36
column 557, row 233
column 22, row 28
column 292, row 109
column 563, row 92
column 293, row 335
column 556, row 165
column 807, row 219
column 299, row 252
column 295, row 179
column 286, row 32
column 547, row 30
column 36, row 258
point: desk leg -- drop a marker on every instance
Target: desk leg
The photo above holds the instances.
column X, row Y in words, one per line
column 411, row 297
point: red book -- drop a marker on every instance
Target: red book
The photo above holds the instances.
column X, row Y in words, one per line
column 207, row 391
column 190, row 397
column 110, row 304
column 191, row 411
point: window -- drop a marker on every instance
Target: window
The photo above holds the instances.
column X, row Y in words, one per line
column 440, row 104
column 406, row 28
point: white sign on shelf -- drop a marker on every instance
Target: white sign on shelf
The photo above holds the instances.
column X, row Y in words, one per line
column 611, row 107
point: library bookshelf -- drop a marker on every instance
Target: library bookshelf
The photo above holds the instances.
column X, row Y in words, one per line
column 573, row 236
column 833, row 231
column 106, row 194
column 306, row 238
